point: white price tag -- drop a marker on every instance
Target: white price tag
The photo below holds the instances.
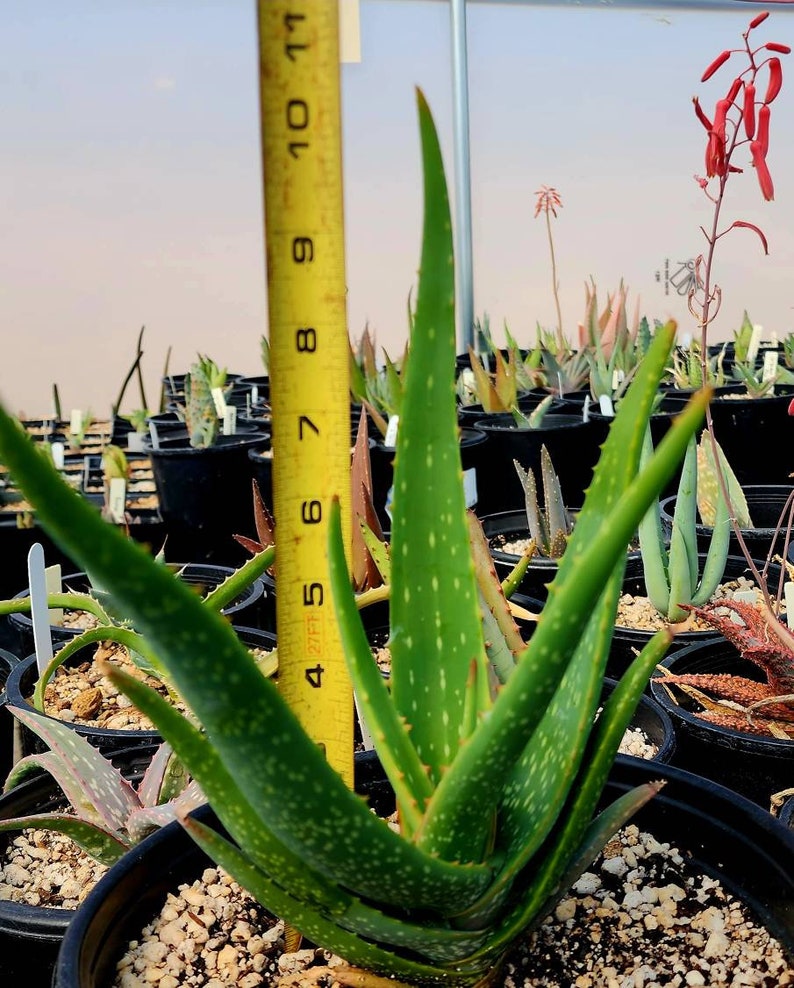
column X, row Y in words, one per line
column 220, row 401
column 117, row 499
column 229, row 420
column 58, row 451
column 391, row 431
column 470, row 487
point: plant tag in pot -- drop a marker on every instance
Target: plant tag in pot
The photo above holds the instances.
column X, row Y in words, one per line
column 57, row 450
column 754, row 344
column 788, row 597
column 76, row 422
column 39, row 613
column 154, row 436
column 135, row 442
column 606, row 406
column 117, row 499
column 220, row 402
column 229, row 420
column 770, row 365
column 391, row 431
column 470, row 486
column 586, row 409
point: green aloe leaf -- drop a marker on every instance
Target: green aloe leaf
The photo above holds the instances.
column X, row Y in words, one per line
column 436, row 628
column 242, row 578
column 99, row 844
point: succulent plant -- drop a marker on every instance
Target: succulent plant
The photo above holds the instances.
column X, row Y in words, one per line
column 673, row 576
column 108, row 815
column 550, row 526
column 497, row 796
column 199, row 411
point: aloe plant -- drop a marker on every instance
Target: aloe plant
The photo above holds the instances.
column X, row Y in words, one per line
column 672, row 575
column 108, row 815
column 491, row 790
column 199, row 411
column 551, row 525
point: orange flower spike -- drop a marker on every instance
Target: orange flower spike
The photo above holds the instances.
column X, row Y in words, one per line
column 748, row 111
column 775, row 80
column 721, row 59
column 762, row 171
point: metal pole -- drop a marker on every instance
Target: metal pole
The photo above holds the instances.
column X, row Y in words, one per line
column 463, row 233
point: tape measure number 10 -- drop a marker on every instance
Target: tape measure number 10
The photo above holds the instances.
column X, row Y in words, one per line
column 304, row 234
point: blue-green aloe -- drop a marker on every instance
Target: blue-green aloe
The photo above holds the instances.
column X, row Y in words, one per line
column 497, row 788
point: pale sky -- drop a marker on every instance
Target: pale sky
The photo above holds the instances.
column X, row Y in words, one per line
column 130, row 176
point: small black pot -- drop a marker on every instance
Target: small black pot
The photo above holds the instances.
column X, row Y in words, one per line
column 757, row 767
column 473, row 459
column 728, row 837
column 30, row 936
column 205, row 495
column 653, row 721
column 245, row 609
column 765, row 503
column 573, row 445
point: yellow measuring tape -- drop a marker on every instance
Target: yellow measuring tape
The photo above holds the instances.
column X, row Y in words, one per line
column 304, row 234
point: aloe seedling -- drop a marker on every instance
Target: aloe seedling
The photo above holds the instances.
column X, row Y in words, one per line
column 551, row 525
column 673, row 576
column 108, row 815
column 497, row 796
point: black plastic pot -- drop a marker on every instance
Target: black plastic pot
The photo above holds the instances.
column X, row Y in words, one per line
column 245, row 609
column 19, row 686
column 752, row 432
column 7, row 662
column 749, row 764
column 573, row 445
column 30, row 936
column 728, row 837
column 473, row 459
column 626, row 642
column 654, row 722
column 205, row 495
column 765, row 503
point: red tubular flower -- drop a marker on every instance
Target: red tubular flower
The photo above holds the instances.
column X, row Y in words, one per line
column 791, row 407
column 774, row 46
column 758, row 19
column 763, row 129
column 700, row 114
column 762, row 171
column 748, row 113
column 733, row 92
column 775, row 80
column 721, row 59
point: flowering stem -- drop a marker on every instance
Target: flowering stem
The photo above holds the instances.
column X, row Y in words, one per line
column 555, row 284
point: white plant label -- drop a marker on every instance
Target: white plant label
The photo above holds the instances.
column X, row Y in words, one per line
column 38, row 606
column 220, row 401
column 154, row 436
column 254, row 394
column 135, row 441
column 470, row 487
column 75, row 421
column 618, row 376
column 58, row 450
column 788, row 596
column 770, row 365
column 755, row 343
column 229, row 420
column 606, row 406
column 391, row 431
column 52, row 580
column 586, row 409
column 117, row 499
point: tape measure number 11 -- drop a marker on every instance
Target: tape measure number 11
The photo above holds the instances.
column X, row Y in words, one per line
column 304, row 235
